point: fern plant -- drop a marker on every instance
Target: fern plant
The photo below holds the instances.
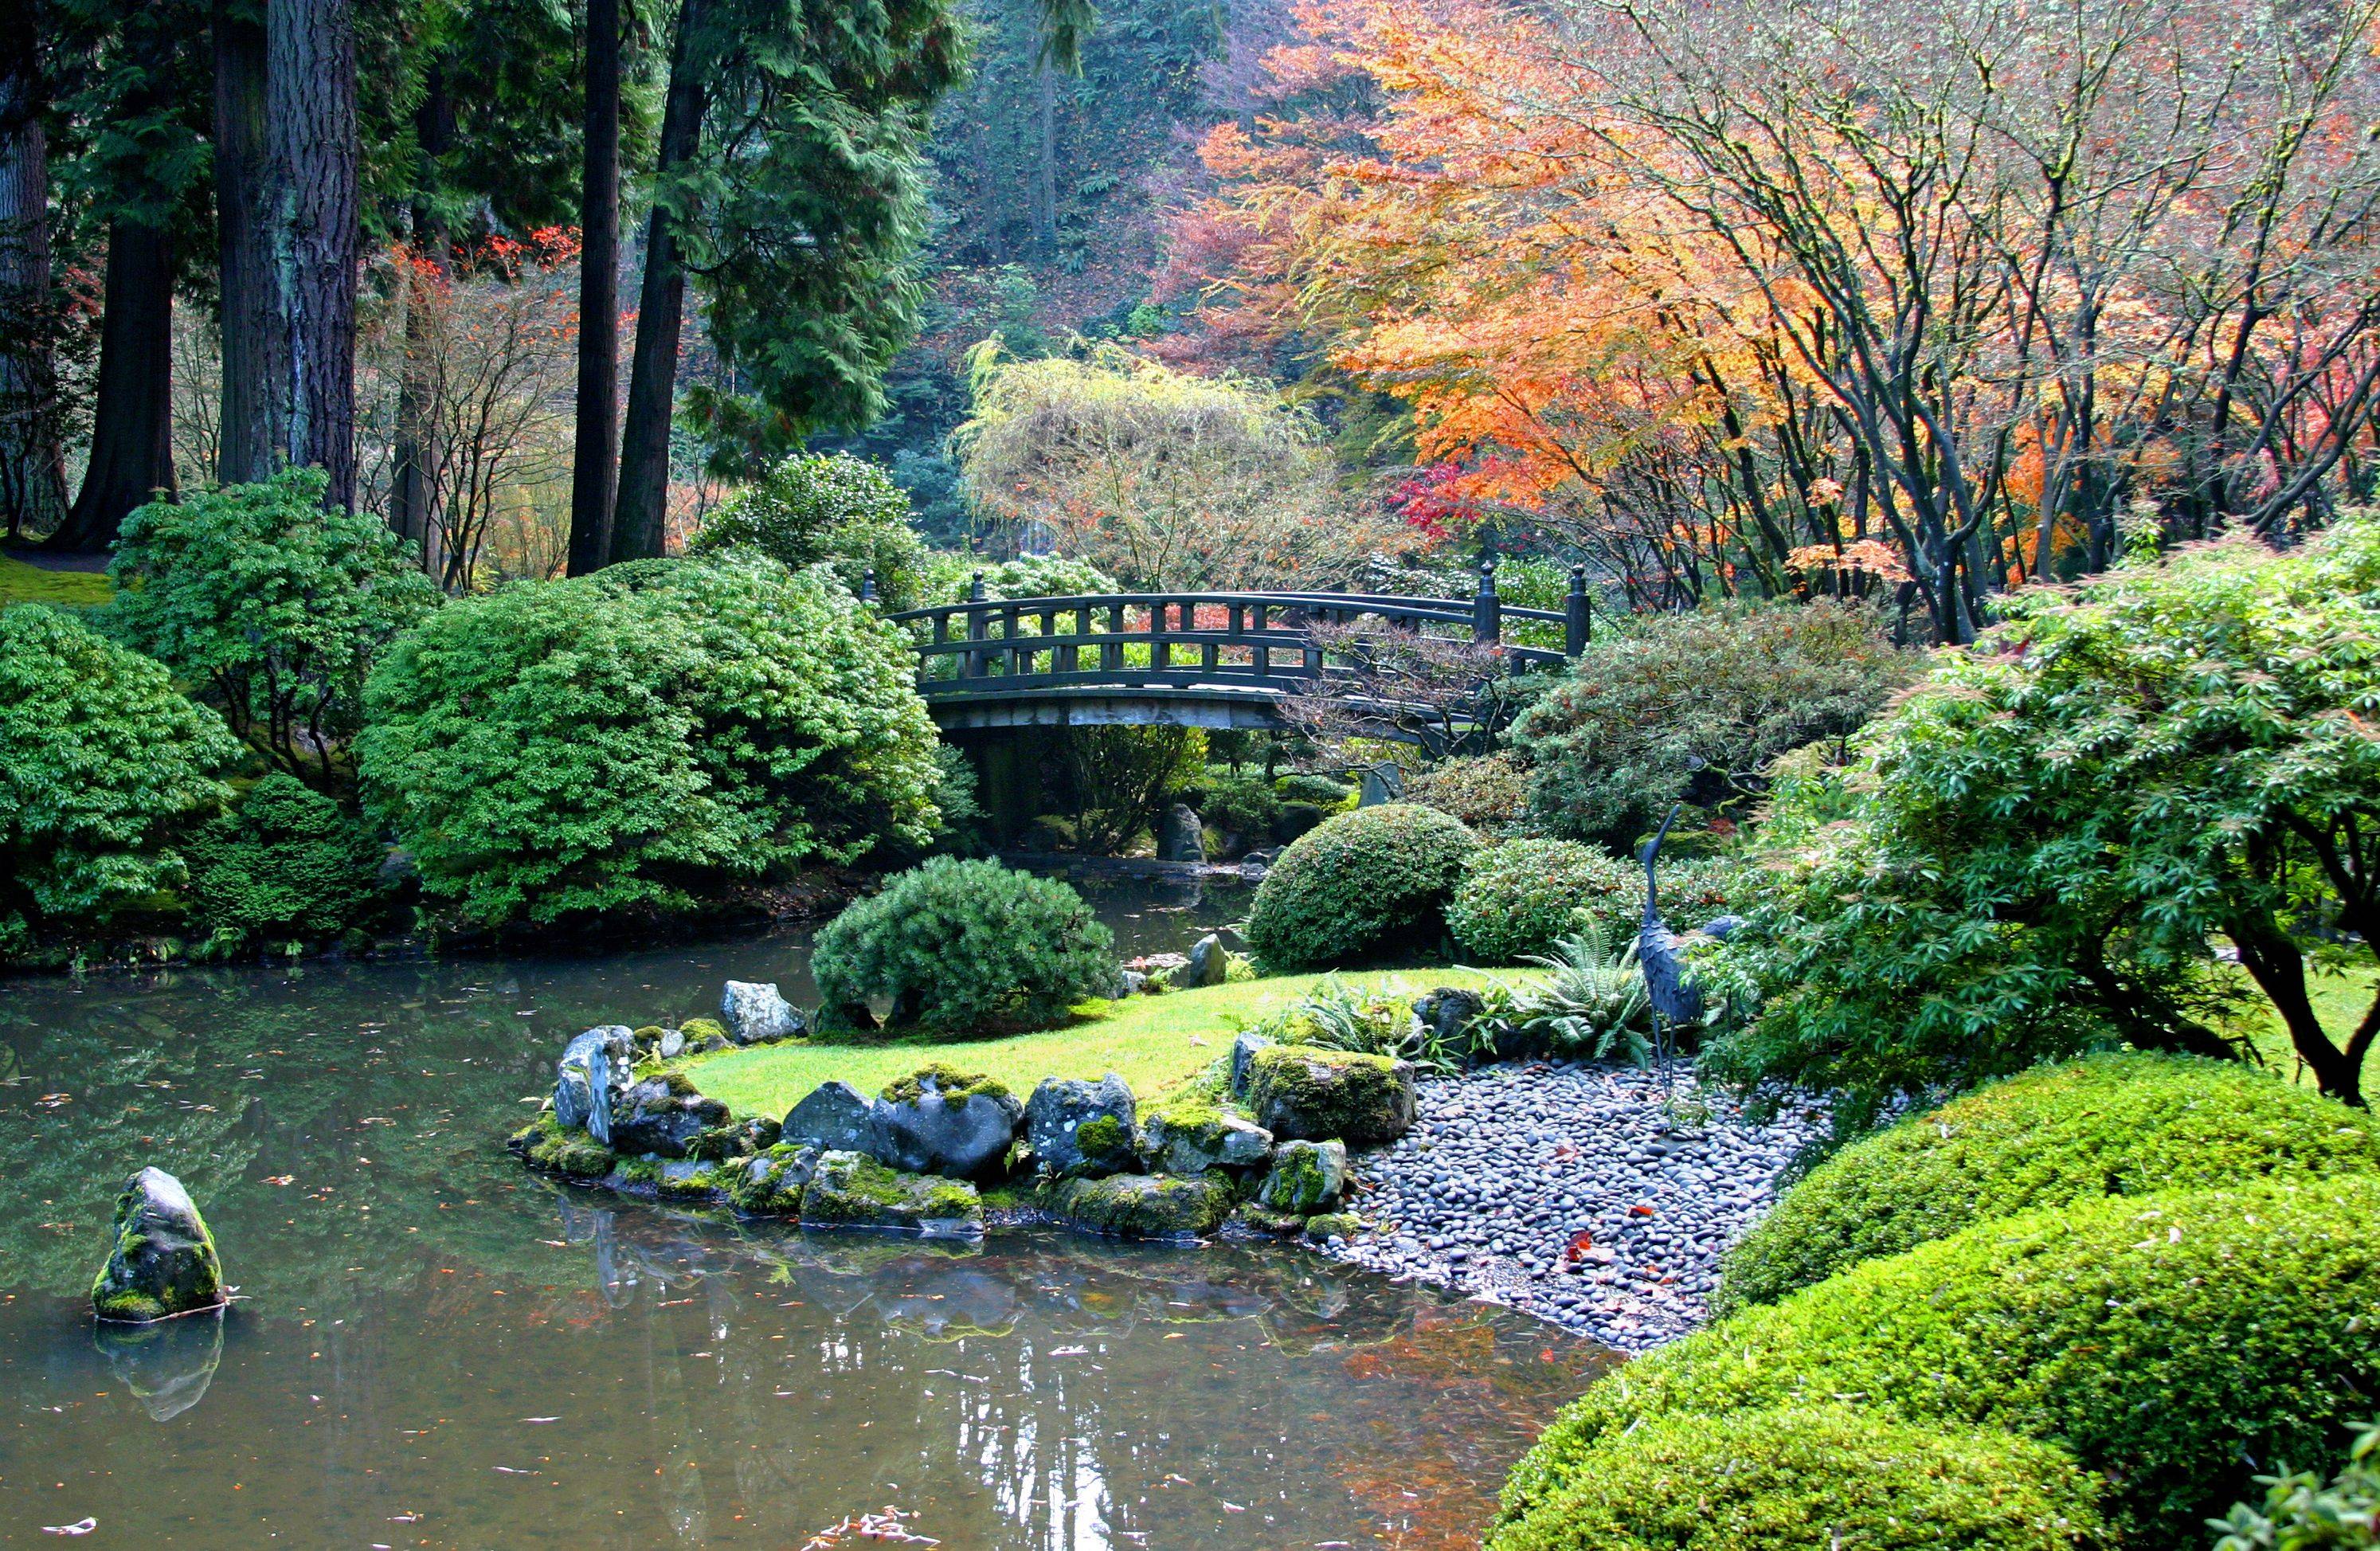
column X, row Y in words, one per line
column 1592, row 999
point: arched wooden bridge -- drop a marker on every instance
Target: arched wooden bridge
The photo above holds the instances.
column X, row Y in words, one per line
column 1192, row 659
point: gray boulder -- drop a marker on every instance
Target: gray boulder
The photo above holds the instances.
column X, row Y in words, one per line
column 1305, row 1178
column 591, row 1077
column 755, row 1014
column 662, row 1116
column 164, row 1261
column 1243, row 1051
column 1209, row 963
column 1129, row 983
column 1192, row 1138
column 1080, row 1128
column 1383, row 782
column 1182, row 836
column 835, row 1116
column 941, row 1122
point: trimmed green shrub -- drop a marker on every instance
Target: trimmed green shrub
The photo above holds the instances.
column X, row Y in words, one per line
column 1302, row 786
column 967, row 947
column 1242, row 802
column 2165, row 1341
column 830, row 509
column 103, row 761
column 950, row 576
column 2128, row 1124
column 1817, row 1476
column 1521, row 897
column 1367, row 883
column 1734, row 684
column 628, row 738
column 287, row 863
column 1488, row 792
column 276, row 604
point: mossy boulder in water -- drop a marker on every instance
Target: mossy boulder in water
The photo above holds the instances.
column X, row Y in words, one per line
column 543, row 1143
column 769, row 1184
column 1305, row 1091
column 1087, row 1129
column 1140, row 1205
column 664, row 1115
column 591, row 1077
column 942, row 1121
column 1194, row 1135
column 163, row 1263
column 836, row 1116
column 1306, row 1177
column 851, row 1190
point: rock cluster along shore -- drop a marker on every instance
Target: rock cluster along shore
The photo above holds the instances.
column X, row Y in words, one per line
column 1262, row 1141
column 1563, row 1190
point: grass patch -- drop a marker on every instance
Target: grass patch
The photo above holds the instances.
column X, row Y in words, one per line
column 1153, row 1042
column 21, row 583
column 2339, row 1000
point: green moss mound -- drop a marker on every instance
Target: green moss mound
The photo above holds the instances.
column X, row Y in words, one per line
column 2165, row 1341
column 2127, row 1125
column 967, row 948
column 954, row 1086
column 1815, row 1477
column 1365, row 884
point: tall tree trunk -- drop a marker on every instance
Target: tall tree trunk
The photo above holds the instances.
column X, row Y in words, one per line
column 310, row 118
column 132, row 425
column 250, row 433
column 595, row 454
column 639, row 519
column 413, row 492
column 33, row 454
column 1045, row 160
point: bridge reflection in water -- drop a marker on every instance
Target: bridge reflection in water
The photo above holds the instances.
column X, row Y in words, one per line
column 1197, row 659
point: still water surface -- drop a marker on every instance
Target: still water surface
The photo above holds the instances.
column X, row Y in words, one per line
column 434, row 1349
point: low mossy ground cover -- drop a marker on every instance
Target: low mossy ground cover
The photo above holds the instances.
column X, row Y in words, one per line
column 1153, row 1042
column 24, row 583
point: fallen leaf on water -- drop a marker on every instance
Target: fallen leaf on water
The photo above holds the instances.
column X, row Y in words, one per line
column 79, row 1527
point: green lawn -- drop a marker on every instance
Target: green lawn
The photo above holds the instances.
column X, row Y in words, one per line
column 1154, row 1042
column 21, row 583
column 2339, row 1000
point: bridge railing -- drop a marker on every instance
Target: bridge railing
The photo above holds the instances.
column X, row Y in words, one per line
column 1260, row 639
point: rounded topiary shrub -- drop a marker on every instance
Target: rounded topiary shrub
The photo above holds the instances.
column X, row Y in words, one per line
column 1364, row 884
column 1488, row 792
column 1813, row 1476
column 103, row 764
column 285, row 864
column 1523, row 896
column 2165, row 1341
column 2126, row 1124
column 644, row 737
column 966, row 947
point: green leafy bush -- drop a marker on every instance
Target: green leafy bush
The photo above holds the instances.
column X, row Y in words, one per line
column 284, row 863
column 103, row 764
column 1518, row 898
column 2129, row 1125
column 1242, row 802
column 1488, row 792
column 1813, row 1476
column 2046, row 839
column 1732, row 683
column 628, row 738
column 275, row 604
column 826, row 508
column 950, row 576
column 2301, row 1514
column 966, row 947
column 1367, row 883
column 2165, row 1341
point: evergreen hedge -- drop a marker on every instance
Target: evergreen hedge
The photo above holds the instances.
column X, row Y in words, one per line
column 1367, row 883
column 2123, row 1124
column 2165, row 1341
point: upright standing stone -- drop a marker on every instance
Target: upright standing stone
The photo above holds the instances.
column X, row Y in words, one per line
column 163, row 1263
column 1182, row 837
column 1210, row 963
column 1383, row 782
column 590, row 1079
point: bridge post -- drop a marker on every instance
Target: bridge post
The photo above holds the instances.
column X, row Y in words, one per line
column 975, row 660
column 1578, row 614
column 1486, row 610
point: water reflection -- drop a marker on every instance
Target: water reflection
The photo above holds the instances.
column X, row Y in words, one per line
column 434, row 1349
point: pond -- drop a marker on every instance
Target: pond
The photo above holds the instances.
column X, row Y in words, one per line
column 435, row 1348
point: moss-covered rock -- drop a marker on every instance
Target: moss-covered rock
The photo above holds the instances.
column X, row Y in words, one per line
column 769, row 1184
column 1814, row 1477
column 851, row 1190
column 162, row 1261
column 1088, row 1129
column 1140, row 1205
column 691, row 1180
column 1193, row 1134
column 1305, row 1178
column 705, row 1034
column 943, row 1120
column 1302, row 1091
column 1324, row 1226
column 953, row 1086
column 664, row 1115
